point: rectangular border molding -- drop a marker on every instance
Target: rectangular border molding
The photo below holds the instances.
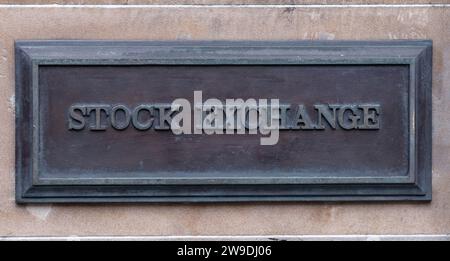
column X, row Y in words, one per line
column 417, row 54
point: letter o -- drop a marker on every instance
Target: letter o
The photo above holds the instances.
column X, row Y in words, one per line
column 114, row 122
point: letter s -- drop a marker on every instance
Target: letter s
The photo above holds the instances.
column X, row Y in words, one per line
column 76, row 118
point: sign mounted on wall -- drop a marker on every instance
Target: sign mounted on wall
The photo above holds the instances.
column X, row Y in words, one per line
column 223, row 121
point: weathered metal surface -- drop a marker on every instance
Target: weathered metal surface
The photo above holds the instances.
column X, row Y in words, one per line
column 72, row 147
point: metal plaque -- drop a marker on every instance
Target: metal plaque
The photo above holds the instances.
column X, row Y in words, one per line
column 140, row 121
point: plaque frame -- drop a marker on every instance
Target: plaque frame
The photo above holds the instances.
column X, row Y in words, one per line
column 417, row 54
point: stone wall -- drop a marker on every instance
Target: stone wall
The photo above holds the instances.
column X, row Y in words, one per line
column 205, row 20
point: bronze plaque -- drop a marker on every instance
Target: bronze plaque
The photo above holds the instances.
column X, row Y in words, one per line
column 94, row 121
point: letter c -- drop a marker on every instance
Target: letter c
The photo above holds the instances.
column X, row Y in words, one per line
column 135, row 118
